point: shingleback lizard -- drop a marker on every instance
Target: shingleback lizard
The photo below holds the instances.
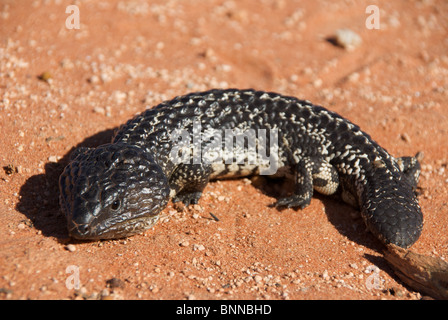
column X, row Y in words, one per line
column 118, row 189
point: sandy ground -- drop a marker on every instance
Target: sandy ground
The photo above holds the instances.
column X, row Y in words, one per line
column 61, row 88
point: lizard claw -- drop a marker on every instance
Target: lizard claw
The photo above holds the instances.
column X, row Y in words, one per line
column 294, row 201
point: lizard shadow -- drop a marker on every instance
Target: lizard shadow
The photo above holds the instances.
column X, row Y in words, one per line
column 348, row 222
column 39, row 195
column 346, row 219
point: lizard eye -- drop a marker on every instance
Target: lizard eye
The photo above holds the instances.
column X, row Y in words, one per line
column 115, row 205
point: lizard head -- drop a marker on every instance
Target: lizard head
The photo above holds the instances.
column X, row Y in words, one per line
column 113, row 191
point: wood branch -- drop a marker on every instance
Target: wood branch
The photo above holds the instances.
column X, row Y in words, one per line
column 425, row 274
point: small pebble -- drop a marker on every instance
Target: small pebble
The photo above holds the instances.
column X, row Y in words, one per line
column 405, row 137
column 184, row 243
column 397, row 292
column 94, row 79
column 258, row 279
column 70, row 247
column 154, row 290
column 99, row 110
column 45, row 76
column 347, row 39
column 198, row 247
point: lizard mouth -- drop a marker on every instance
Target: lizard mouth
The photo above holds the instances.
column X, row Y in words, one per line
column 106, row 230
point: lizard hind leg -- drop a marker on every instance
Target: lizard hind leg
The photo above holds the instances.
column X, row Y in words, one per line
column 325, row 178
column 311, row 173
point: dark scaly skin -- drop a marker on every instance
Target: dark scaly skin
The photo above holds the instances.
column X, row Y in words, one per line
column 92, row 195
column 118, row 189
